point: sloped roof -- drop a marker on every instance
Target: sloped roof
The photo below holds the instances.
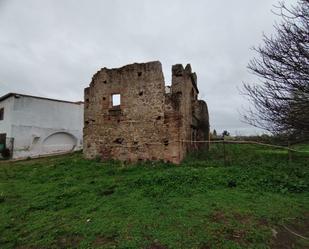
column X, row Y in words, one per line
column 6, row 96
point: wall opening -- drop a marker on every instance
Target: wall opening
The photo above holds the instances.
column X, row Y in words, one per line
column 35, row 140
column 2, row 141
column 116, row 99
column 1, row 113
column 118, row 140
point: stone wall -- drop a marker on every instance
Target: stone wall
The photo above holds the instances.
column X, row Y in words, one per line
column 149, row 124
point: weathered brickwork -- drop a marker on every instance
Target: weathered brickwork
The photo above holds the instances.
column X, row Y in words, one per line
column 149, row 124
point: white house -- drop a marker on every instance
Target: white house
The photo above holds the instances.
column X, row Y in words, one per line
column 32, row 126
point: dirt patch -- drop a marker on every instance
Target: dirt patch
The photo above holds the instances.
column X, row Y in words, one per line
column 263, row 222
column 299, row 226
column 156, row 245
column 246, row 220
column 243, row 219
column 236, row 235
column 103, row 240
column 218, row 217
column 227, row 231
column 69, row 241
column 205, row 246
column 284, row 237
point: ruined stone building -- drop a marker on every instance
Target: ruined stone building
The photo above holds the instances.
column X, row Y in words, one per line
column 130, row 114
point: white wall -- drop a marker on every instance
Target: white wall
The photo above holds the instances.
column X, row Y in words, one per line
column 41, row 126
column 43, row 113
column 33, row 141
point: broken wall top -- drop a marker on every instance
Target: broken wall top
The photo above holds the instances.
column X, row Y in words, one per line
column 138, row 68
column 179, row 71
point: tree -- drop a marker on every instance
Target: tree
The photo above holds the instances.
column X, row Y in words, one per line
column 214, row 133
column 225, row 133
column 281, row 101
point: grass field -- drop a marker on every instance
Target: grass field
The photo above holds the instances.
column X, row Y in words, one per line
column 251, row 201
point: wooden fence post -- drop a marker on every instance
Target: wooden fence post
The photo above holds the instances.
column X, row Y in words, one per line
column 208, row 140
column 224, row 151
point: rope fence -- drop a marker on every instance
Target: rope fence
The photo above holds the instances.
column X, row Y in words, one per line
column 245, row 142
column 226, row 155
column 211, row 142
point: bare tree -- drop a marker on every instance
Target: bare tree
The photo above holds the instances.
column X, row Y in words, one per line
column 281, row 100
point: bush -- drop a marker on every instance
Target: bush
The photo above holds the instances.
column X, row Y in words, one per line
column 6, row 153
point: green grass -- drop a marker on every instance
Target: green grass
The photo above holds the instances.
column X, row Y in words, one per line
column 301, row 147
column 70, row 202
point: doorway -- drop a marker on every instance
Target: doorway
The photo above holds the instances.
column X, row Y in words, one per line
column 2, row 141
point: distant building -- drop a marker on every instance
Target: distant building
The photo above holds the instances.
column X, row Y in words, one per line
column 131, row 115
column 32, row 126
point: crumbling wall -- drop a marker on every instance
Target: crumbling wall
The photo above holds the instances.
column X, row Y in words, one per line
column 172, row 124
column 149, row 124
column 135, row 129
column 202, row 116
column 184, row 84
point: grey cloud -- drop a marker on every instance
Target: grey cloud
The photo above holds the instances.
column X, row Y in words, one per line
column 52, row 48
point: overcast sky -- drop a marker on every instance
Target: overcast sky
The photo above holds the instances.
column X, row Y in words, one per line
column 52, row 48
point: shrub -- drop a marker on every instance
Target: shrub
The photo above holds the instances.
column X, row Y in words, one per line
column 6, row 153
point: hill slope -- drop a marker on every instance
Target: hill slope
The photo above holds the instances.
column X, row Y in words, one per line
column 69, row 202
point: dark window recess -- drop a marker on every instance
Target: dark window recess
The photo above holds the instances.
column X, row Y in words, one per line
column 104, row 98
column 2, row 141
column 104, row 81
column 1, row 113
column 159, row 118
column 87, row 122
column 141, row 93
column 139, row 74
column 165, row 142
column 118, row 141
